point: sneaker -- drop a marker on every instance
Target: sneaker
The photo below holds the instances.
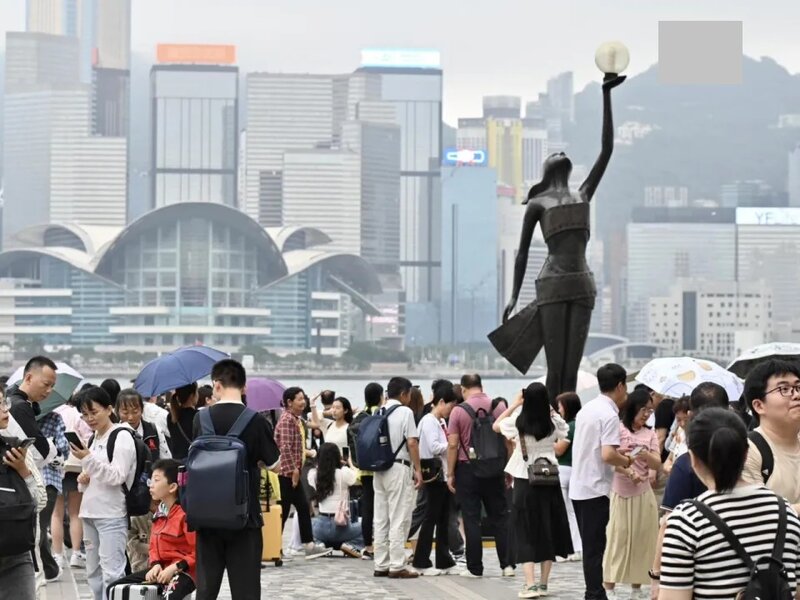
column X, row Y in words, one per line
column 77, row 560
column 367, row 555
column 350, row 551
column 316, row 550
column 453, row 571
column 577, row 557
column 561, row 559
column 295, row 552
column 404, row 574
column 611, row 594
column 542, row 587
column 431, row 572
column 531, row 591
column 637, row 594
column 380, row 573
column 57, row 577
column 59, row 558
column 461, row 559
column 468, row 574
column 509, row 572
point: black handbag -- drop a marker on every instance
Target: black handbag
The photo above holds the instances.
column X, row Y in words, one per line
column 431, row 469
column 541, row 472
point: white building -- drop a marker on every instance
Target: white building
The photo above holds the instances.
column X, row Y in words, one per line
column 713, row 319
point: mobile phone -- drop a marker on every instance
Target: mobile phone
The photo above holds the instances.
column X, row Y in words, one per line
column 73, row 439
column 635, row 452
column 26, row 443
column 346, row 453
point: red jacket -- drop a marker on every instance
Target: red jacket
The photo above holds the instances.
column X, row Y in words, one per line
column 171, row 541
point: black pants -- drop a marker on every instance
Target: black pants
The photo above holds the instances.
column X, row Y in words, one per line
column 592, row 517
column 454, row 540
column 183, row 584
column 367, row 508
column 45, row 548
column 296, row 496
column 237, row 551
column 437, row 516
column 472, row 492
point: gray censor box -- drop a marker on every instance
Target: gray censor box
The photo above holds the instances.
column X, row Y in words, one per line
column 700, row 52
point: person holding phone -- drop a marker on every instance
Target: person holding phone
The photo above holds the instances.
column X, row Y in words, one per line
column 633, row 523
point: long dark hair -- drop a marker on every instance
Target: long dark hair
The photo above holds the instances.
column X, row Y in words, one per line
column 181, row 396
column 718, row 439
column 329, row 460
column 637, row 400
column 571, row 403
column 347, row 407
column 535, row 416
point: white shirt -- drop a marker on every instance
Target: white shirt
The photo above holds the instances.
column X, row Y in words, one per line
column 433, row 439
column 103, row 498
column 334, row 434
column 156, row 415
column 596, row 425
column 401, row 427
column 536, row 449
column 345, row 477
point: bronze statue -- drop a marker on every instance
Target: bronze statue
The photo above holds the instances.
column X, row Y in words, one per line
column 560, row 316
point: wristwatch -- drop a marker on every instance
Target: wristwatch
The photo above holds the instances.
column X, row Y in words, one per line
column 655, row 576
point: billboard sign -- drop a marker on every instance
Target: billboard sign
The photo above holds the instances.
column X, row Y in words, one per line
column 196, row 54
column 465, row 157
column 401, row 58
column 779, row 215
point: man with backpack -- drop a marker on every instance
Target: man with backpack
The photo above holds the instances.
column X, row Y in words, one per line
column 388, row 445
column 476, row 460
column 230, row 442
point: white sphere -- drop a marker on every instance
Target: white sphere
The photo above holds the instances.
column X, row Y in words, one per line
column 612, row 57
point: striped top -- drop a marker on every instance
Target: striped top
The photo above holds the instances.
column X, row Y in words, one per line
column 696, row 555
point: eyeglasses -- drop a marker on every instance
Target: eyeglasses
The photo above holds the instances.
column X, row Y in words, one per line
column 5, row 404
column 786, row 390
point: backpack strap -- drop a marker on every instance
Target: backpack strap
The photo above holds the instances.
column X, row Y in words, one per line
column 780, row 536
column 206, row 424
column 386, row 413
column 241, row 422
column 767, row 458
column 726, row 532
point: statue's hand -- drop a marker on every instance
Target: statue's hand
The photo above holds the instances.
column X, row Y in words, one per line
column 509, row 309
column 610, row 84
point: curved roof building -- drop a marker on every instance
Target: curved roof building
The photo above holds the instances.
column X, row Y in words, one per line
column 181, row 274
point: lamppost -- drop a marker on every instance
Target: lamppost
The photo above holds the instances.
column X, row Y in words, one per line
column 612, row 58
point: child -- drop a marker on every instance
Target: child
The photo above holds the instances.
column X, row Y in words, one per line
column 172, row 545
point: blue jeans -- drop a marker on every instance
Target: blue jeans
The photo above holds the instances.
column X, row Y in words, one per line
column 327, row 532
column 105, row 541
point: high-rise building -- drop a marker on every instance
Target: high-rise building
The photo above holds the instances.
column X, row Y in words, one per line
column 410, row 82
column 707, row 250
column 713, row 319
column 560, row 91
column 195, row 95
column 284, row 112
column 469, row 267
column 794, row 177
column 57, row 17
column 54, row 168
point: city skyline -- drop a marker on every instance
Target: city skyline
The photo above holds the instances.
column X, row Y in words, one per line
column 316, row 37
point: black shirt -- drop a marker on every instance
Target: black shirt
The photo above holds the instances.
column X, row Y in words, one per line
column 181, row 433
column 24, row 414
column 259, row 440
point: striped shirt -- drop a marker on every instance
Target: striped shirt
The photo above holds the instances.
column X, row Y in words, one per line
column 696, row 556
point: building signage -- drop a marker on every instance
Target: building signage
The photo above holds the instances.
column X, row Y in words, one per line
column 401, row 58
column 768, row 216
column 465, row 156
column 198, row 54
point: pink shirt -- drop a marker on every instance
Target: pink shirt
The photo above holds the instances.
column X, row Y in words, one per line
column 622, row 485
column 74, row 422
column 461, row 423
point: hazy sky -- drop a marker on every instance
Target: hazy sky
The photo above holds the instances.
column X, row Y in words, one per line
column 488, row 47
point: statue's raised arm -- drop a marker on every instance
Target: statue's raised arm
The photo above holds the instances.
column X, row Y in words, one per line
column 589, row 186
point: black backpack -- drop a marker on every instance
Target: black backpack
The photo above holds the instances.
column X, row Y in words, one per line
column 17, row 514
column 768, row 577
column 490, row 456
column 767, row 459
column 137, row 498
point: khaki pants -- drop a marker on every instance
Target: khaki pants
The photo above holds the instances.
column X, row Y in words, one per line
column 394, row 490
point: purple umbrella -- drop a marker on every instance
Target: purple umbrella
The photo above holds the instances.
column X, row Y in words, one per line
column 264, row 394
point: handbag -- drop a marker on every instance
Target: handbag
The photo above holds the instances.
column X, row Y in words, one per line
column 542, row 472
column 342, row 517
column 431, row 469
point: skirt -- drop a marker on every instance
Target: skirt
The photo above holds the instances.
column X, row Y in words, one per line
column 631, row 537
column 540, row 523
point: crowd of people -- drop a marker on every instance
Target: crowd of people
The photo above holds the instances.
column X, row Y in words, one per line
column 693, row 497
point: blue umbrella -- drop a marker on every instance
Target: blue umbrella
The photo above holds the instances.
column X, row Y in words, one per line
column 171, row 371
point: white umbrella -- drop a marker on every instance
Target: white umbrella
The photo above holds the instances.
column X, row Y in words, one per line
column 678, row 376
column 749, row 359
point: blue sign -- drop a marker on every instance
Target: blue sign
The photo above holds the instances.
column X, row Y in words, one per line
column 464, row 157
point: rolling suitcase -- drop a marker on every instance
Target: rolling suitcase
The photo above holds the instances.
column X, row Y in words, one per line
column 271, row 534
column 134, row 591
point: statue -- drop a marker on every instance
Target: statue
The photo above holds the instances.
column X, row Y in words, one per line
column 560, row 316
